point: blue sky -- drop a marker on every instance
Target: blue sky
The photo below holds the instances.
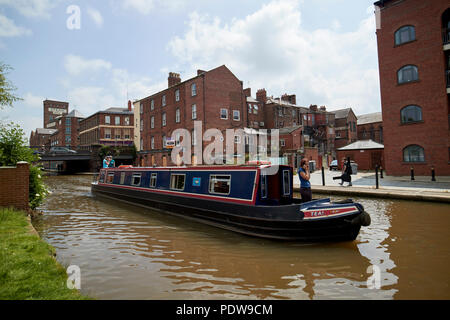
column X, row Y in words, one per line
column 324, row 51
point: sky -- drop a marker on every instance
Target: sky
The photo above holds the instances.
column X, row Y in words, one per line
column 101, row 53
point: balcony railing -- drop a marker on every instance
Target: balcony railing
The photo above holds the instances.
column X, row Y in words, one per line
column 446, row 35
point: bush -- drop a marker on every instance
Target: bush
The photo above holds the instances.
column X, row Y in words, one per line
column 13, row 148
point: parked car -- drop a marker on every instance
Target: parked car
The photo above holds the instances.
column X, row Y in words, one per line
column 334, row 165
column 61, row 150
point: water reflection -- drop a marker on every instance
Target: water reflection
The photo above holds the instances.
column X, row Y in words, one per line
column 128, row 252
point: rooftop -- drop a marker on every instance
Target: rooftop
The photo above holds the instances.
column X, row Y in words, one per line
column 342, row 113
column 370, row 118
column 45, row 131
column 288, row 130
column 362, row 145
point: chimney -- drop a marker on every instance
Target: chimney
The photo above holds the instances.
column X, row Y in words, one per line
column 129, row 105
column 248, row 92
column 174, row 78
column 313, row 107
column 323, row 108
column 289, row 98
column 199, row 72
column 261, row 95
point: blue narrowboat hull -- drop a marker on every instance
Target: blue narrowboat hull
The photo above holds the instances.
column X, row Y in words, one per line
column 314, row 221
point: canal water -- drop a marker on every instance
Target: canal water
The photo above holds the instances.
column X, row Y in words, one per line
column 128, row 252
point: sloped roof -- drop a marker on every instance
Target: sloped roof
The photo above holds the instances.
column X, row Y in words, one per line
column 251, row 99
column 370, row 118
column 363, row 145
column 75, row 114
column 288, row 130
column 342, row 113
column 45, row 131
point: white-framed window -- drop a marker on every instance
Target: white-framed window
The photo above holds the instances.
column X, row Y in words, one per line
column 164, row 119
column 177, row 181
column 117, row 121
column 127, row 121
column 263, row 186
column 118, row 134
column 223, row 113
column 194, row 138
column 107, row 119
column 194, row 111
column 193, row 89
column 236, row 115
column 152, row 105
column 261, row 124
column 177, row 115
column 177, row 95
column 286, row 183
column 163, row 100
column 142, row 125
column 282, row 142
column 107, row 133
column 153, row 179
column 220, row 184
column 136, row 179
column 249, row 108
column 152, row 122
column 141, row 108
column 164, row 141
column 153, row 142
column 237, row 139
column 255, row 109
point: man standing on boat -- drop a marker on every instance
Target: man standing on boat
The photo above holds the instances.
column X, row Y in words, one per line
column 305, row 185
column 112, row 163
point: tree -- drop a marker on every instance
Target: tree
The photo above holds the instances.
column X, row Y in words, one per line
column 7, row 98
column 13, row 148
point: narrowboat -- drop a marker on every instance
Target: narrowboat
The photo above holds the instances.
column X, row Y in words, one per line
column 251, row 199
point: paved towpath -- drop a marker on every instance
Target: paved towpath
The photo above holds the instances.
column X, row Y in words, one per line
column 422, row 188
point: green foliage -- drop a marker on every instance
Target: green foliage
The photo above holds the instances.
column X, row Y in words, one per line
column 28, row 270
column 7, row 98
column 13, row 148
column 116, row 151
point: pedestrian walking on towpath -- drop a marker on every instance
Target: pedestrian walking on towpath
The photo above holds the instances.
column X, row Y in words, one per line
column 346, row 173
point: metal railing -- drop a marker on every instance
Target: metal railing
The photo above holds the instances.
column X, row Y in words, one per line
column 446, row 35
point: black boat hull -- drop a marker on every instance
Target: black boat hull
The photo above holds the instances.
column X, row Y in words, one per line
column 284, row 222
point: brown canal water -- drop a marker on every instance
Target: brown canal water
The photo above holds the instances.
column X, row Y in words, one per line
column 128, row 252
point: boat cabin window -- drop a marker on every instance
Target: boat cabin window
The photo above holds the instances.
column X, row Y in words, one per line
column 263, row 186
column 219, row 184
column 286, row 183
column 122, row 177
column 110, row 178
column 136, row 179
column 177, row 181
column 153, row 180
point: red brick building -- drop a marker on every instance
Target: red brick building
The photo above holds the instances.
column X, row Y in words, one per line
column 40, row 138
column 291, row 144
column 366, row 153
column 215, row 97
column 112, row 127
column 52, row 110
column 67, row 132
column 370, row 126
column 345, row 127
column 414, row 60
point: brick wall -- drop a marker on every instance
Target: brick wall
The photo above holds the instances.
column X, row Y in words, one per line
column 429, row 92
column 14, row 186
column 366, row 159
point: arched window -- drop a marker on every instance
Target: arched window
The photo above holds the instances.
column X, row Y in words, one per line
column 411, row 114
column 405, row 34
column 413, row 153
column 407, row 74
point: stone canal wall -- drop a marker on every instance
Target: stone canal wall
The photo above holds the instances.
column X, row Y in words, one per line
column 14, row 184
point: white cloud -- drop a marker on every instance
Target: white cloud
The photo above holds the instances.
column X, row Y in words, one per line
column 76, row 65
column 32, row 8
column 33, row 101
column 270, row 49
column 9, row 29
column 96, row 16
